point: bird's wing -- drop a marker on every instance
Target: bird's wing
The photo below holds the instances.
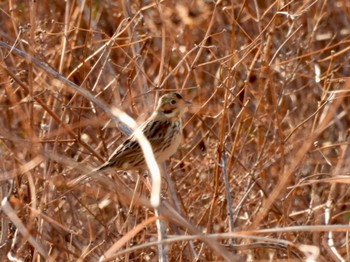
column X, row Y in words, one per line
column 126, row 154
column 156, row 132
column 129, row 153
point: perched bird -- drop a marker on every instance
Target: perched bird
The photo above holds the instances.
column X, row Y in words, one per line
column 163, row 129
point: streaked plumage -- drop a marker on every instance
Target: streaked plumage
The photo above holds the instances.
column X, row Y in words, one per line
column 163, row 129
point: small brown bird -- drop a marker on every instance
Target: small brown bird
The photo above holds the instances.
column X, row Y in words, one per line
column 163, row 129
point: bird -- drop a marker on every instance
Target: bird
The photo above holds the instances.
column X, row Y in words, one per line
column 163, row 129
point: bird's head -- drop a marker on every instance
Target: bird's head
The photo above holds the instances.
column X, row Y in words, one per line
column 172, row 105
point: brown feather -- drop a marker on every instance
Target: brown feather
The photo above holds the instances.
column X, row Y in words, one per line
column 163, row 130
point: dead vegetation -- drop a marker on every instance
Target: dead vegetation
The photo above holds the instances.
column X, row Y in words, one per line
column 262, row 173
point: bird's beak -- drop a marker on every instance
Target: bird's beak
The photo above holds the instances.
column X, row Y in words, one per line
column 187, row 103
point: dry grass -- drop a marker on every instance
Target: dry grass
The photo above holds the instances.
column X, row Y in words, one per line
column 263, row 168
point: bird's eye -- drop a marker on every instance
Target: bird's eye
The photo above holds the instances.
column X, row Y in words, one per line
column 173, row 102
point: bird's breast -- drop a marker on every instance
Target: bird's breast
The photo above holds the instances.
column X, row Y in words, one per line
column 171, row 144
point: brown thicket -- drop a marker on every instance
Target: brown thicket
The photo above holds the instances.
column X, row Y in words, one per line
column 262, row 172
